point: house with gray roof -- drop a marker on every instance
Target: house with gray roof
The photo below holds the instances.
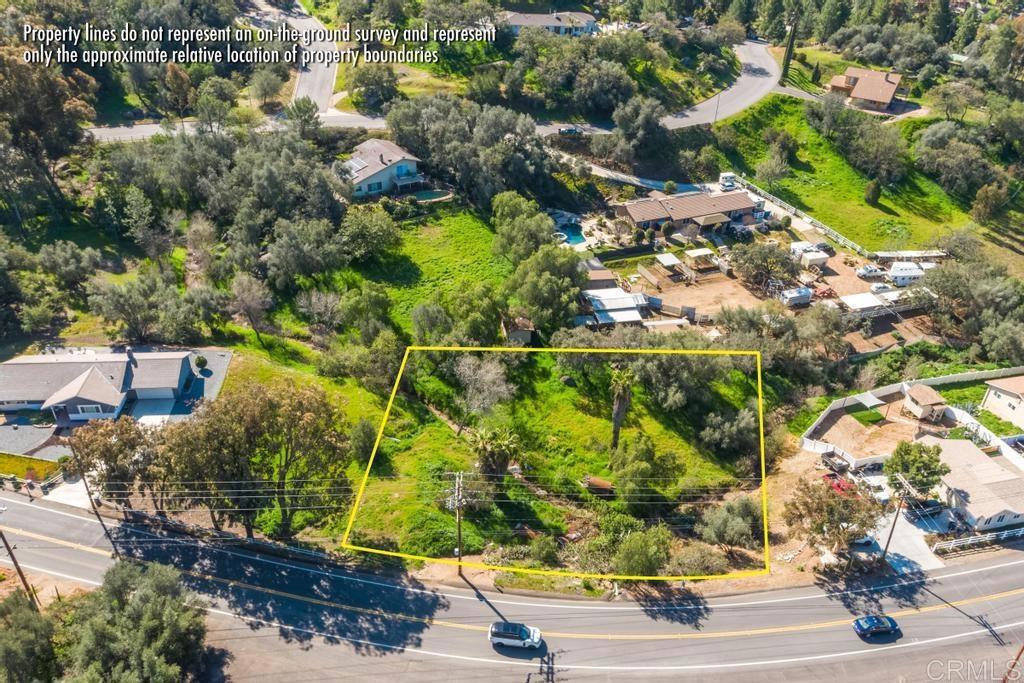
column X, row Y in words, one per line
column 380, row 167
column 77, row 387
column 559, row 23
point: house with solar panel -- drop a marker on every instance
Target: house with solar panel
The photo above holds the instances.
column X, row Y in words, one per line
column 379, row 167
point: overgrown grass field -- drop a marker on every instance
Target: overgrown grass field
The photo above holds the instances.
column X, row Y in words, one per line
column 911, row 214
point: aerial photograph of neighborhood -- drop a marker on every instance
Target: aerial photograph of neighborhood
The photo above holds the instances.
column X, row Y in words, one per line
column 511, row 340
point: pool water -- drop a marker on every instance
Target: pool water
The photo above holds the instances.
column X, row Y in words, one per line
column 573, row 233
column 429, row 195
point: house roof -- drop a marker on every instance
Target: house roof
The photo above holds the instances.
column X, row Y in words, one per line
column 924, row 395
column 373, row 156
column 669, row 260
column 1011, row 385
column 643, row 210
column 873, row 86
column 689, row 206
column 91, row 385
column 545, row 19
column 34, row 379
column 37, row 378
column 697, row 204
column 984, row 486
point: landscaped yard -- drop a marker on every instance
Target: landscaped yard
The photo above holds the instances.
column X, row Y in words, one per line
column 823, row 184
column 26, row 468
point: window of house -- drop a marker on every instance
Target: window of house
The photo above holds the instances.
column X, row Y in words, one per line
column 373, row 187
column 1001, row 518
column 90, row 410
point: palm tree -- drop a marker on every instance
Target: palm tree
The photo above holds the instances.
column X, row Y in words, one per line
column 622, row 398
column 494, row 449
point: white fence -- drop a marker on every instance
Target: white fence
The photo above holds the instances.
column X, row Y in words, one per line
column 973, row 541
column 832, row 234
column 973, row 376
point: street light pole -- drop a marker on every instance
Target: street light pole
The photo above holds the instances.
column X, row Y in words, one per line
column 17, row 568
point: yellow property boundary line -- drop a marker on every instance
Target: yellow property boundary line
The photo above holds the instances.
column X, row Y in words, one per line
column 555, row 572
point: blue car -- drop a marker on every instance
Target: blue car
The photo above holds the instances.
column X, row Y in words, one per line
column 866, row 627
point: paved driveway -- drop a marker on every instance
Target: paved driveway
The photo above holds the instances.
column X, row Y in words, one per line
column 909, row 553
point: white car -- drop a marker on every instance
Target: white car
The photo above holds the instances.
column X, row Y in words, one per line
column 511, row 634
column 870, row 271
column 879, row 287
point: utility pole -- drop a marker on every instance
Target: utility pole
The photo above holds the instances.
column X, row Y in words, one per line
column 17, row 567
column 908, row 488
column 92, row 503
column 1013, row 665
column 456, row 501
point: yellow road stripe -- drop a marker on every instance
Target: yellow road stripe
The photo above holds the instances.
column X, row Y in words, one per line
column 612, row 636
column 556, row 634
column 69, row 544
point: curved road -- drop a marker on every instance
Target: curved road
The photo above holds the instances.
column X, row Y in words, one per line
column 759, row 74
column 285, row 620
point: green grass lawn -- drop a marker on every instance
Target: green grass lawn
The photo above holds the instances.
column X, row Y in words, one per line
column 996, row 424
column 800, row 72
column 440, row 255
column 963, row 393
column 866, row 416
column 824, row 185
column 24, row 467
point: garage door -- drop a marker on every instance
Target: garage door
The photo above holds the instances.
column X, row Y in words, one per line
column 159, row 392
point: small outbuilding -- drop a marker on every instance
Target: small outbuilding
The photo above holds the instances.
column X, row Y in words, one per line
column 905, row 273
column 799, row 296
column 924, row 403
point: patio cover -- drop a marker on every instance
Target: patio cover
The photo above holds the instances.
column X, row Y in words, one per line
column 711, row 219
column 615, row 317
column 699, row 253
column 668, row 260
column 869, row 400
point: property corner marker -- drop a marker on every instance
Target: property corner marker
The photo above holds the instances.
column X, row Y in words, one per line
column 555, row 572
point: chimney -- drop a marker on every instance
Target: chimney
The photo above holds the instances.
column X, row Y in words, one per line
column 130, row 353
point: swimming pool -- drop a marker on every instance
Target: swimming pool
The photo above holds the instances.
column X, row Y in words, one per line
column 573, row 233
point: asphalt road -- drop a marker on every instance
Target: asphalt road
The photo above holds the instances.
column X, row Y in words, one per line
column 316, row 80
column 759, row 74
column 279, row 620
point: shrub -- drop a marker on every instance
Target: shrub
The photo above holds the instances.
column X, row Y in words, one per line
column 433, row 534
column 544, row 549
column 872, row 192
column 201, row 362
column 698, row 560
column 643, row 553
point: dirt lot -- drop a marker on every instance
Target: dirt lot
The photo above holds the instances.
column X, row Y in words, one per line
column 708, row 296
column 47, row 588
column 843, row 430
column 840, row 274
column 912, row 327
